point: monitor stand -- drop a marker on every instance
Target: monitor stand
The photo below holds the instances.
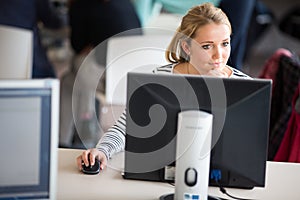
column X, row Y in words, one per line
column 171, row 197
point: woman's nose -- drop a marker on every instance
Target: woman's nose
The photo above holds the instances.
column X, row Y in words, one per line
column 217, row 53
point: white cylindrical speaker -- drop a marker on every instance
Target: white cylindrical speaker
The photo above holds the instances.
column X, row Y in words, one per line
column 193, row 155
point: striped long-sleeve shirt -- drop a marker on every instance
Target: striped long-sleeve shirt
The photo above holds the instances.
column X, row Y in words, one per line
column 113, row 140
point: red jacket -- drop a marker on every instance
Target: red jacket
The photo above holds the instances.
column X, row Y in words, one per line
column 289, row 149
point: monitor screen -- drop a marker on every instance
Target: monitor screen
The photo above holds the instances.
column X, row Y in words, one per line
column 240, row 109
column 29, row 132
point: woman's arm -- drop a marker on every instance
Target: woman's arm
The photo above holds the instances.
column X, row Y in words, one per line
column 113, row 141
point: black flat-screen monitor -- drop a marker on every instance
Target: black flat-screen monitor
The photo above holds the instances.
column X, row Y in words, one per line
column 240, row 108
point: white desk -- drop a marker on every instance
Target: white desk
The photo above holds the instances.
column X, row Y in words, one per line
column 282, row 183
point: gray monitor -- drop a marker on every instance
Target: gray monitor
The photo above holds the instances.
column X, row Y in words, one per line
column 29, row 118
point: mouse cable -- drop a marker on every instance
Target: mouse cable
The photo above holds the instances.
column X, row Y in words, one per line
column 223, row 190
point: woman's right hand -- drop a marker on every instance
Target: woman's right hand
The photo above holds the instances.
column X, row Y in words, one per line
column 93, row 154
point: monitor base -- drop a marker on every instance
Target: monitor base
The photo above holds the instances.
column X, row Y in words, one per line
column 171, row 197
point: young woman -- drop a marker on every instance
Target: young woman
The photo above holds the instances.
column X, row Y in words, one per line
column 201, row 46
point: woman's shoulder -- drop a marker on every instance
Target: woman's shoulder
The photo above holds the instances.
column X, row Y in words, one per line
column 168, row 69
column 165, row 69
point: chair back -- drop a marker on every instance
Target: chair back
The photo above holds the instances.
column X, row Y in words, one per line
column 16, row 53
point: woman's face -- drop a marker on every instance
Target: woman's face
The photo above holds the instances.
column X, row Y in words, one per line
column 210, row 49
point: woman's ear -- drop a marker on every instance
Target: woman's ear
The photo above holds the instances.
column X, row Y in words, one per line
column 186, row 47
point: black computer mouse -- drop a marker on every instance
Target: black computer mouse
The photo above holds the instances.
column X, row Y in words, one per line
column 95, row 169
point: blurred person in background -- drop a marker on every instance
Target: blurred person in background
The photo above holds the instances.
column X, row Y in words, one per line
column 31, row 14
column 93, row 21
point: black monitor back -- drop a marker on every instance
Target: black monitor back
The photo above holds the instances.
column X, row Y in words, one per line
column 240, row 107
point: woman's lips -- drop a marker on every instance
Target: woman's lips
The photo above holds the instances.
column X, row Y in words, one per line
column 217, row 64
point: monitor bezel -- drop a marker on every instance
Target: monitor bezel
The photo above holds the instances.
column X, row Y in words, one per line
column 51, row 85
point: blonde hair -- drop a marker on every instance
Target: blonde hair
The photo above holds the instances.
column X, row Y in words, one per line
column 195, row 18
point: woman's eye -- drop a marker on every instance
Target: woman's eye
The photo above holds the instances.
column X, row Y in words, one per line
column 225, row 44
column 207, row 46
